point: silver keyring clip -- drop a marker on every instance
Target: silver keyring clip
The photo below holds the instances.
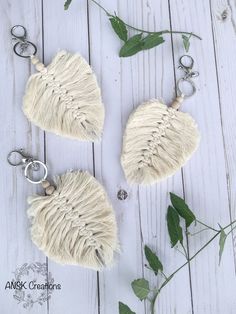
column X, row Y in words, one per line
column 186, row 64
column 22, row 45
column 18, row 155
column 28, row 163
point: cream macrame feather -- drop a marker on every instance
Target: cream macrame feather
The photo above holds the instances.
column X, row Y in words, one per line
column 158, row 141
column 64, row 98
column 76, row 224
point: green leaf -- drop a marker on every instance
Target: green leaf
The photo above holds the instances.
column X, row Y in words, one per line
column 152, row 40
column 153, row 260
column 186, row 42
column 137, row 43
column 223, row 237
column 67, row 4
column 132, row 46
column 141, row 288
column 124, row 309
column 174, row 229
column 182, row 209
column 119, row 27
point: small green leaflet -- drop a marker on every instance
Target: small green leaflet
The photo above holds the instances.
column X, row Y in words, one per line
column 186, row 42
column 119, row 27
column 141, row 288
column 132, row 46
column 137, row 43
column 153, row 260
column 174, row 229
column 124, row 309
column 182, row 209
column 67, row 4
column 223, row 237
column 152, row 40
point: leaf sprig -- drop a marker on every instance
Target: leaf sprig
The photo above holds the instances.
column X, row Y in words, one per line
column 142, row 41
column 176, row 212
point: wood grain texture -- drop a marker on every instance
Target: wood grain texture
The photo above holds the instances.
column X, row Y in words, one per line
column 207, row 181
column 78, row 285
column 111, row 71
column 205, row 175
column 223, row 22
column 16, row 132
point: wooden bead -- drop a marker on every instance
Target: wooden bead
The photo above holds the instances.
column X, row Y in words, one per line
column 45, row 184
column 34, row 60
column 50, row 190
column 39, row 66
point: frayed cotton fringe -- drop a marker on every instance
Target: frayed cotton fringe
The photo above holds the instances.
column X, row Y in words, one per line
column 158, row 141
column 76, row 224
column 64, row 98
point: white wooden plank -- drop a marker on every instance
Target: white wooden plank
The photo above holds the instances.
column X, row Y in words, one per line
column 157, row 81
column 68, row 30
column 223, row 21
column 205, row 175
column 125, row 84
column 115, row 283
column 16, row 132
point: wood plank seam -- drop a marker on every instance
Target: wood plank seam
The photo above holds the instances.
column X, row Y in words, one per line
column 222, row 132
column 182, row 170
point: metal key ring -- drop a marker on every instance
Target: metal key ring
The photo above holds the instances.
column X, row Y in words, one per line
column 191, row 84
column 28, row 43
column 37, row 162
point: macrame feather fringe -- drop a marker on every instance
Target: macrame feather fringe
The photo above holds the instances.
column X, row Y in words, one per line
column 158, row 141
column 76, row 224
column 64, row 98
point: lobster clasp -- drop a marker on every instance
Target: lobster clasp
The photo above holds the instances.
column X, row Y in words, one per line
column 18, row 158
column 186, row 64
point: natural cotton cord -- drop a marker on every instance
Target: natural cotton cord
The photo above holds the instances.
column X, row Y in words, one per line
column 158, row 141
column 64, row 98
column 76, row 223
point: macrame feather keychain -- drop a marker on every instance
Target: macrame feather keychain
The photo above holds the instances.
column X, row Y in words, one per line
column 74, row 223
column 64, row 97
column 158, row 139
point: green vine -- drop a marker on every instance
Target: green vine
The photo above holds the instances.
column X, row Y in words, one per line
column 142, row 41
column 177, row 211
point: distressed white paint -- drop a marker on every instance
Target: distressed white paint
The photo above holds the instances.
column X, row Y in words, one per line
column 207, row 181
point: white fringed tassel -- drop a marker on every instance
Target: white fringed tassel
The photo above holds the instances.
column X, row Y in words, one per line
column 158, row 141
column 64, row 98
column 75, row 224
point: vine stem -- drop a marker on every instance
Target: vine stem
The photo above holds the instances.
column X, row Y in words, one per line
column 185, row 251
column 193, row 234
column 209, row 227
column 166, row 31
column 188, row 261
column 101, row 7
